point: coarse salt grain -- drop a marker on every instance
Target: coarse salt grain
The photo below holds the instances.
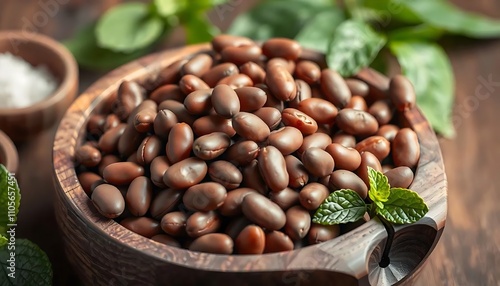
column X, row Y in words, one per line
column 22, row 84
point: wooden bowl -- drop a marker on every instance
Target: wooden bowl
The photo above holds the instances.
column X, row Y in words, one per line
column 23, row 123
column 105, row 253
column 8, row 153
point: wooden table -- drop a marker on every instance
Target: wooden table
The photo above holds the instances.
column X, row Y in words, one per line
column 469, row 250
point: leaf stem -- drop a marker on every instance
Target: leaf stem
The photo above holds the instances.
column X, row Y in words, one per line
column 385, row 260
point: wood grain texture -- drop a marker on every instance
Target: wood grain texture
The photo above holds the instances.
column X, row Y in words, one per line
column 341, row 261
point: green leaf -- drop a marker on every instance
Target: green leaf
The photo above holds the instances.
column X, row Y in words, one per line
column 379, row 186
column 169, row 7
column 3, row 240
column 128, row 27
column 444, row 15
column 419, row 32
column 317, row 32
column 403, row 206
column 277, row 18
column 199, row 29
column 84, row 48
column 391, row 10
column 341, row 206
column 353, row 46
column 32, row 266
column 10, row 198
column 427, row 66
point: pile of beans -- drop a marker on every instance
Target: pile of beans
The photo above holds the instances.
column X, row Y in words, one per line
column 235, row 148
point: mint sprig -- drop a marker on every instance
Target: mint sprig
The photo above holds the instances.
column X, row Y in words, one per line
column 396, row 205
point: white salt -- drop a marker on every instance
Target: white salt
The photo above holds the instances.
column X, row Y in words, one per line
column 22, row 84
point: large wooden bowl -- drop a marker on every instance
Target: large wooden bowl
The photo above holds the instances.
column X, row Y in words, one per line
column 105, row 253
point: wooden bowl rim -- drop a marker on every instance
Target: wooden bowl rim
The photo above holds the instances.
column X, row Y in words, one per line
column 67, row 184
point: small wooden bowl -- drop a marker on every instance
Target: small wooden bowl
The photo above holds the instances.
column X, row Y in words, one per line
column 105, row 253
column 8, row 153
column 24, row 123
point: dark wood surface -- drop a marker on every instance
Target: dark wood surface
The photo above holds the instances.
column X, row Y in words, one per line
column 469, row 250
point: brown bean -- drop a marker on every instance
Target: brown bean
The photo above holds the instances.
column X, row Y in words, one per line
column 139, row 195
column 108, row 143
column 204, row 197
column 232, row 203
column 318, row 140
column 86, row 179
column 388, row 131
column 219, row 72
column 171, row 73
column 174, row 223
column 308, row 71
column 163, row 123
column 180, row 142
column 164, row 202
column 225, row 173
column 312, row 195
column 282, row 48
column 254, row 72
column 157, row 169
column 180, row 111
column 281, row 83
column 199, row 102
column 143, row 120
column 250, row 126
column 276, row 241
column 166, row 92
column 263, row 212
column 377, row 145
column 225, row 101
column 149, row 149
column 303, row 92
column 107, row 160
column 335, row 88
column 108, row 200
column 400, row 177
column 300, row 120
column 285, row 198
column 402, row 93
column 185, row 173
column 201, row 223
column 270, row 115
column 236, row 81
column 122, row 173
column 358, row 103
column 345, row 158
column 288, row 64
column 298, row 222
column 213, row 123
column 251, row 240
column 357, row 87
column 130, row 94
column 271, row 101
column 166, row 239
column 322, row 111
column 318, row 162
column 217, row 243
column 251, row 98
column 144, row 226
column 223, row 41
column 343, row 179
column 130, row 140
column 197, row 65
column 382, row 111
column 242, row 152
column 286, row 139
column 272, row 167
column 112, row 120
column 367, row 159
column 88, row 156
column 236, row 225
column 406, row 149
column 211, row 146
column 296, row 171
column 252, row 177
column 344, row 139
column 190, row 83
column 356, row 122
column 321, row 233
column 241, row 54
column 95, row 125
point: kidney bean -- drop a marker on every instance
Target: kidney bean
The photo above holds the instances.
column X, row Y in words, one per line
column 382, row 111
column 357, row 87
column 263, row 212
column 321, row 233
column 296, row 171
column 223, row 41
column 185, row 173
column 164, row 202
column 108, row 143
column 377, row 145
column 400, row 177
column 303, row 92
column 174, row 223
column 343, row 179
column 217, row 243
column 107, row 160
column 163, row 123
column 335, row 88
column 356, row 122
column 322, row 111
column 225, row 173
column 139, row 195
column 318, row 162
column 272, row 167
column 108, row 200
column 232, row 203
column 180, row 142
column 282, row 48
column 281, row 83
column 308, row 71
column 300, row 120
column 251, row 240
column 388, row 131
column 344, row 139
column 86, row 179
column 144, row 226
column 236, row 81
column 179, row 110
column 171, row 73
column 270, row 115
column 406, row 149
column 112, row 120
column 236, row 225
column 271, row 101
column 219, row 72
column 319, row 140
column 205, row 196
column 149, row 149
column 130, row 140
column 285, row 198
column 242, row 152
column 147, row 104
column 166, row 239
column 211, row 146
column 143, row 121
column 225, row 101
column 167, row 92
column 213, row 123
column 288, row 64
column 95, row 124
column 345, row 158
column 241, row 54
column 157, row 169
column 358, row 103
column 367, row 159
column 251, row 98
column 252, row 177
column 402, row 93
column 199, row 102
column 197, row 65
column 122, row 173
column 312, row 195
column 250, row 126
column 201, row 223
column 88, row 156
column 130, row 94
column 298, row 222
column 254, row 72
column 276, row 241
column 286, row 139
column 190, row 83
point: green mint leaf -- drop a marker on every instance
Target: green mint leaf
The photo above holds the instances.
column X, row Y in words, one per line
column 32, row 266
column 84, row 48
column 277, row 18
column 318, row 30
column 403, row 206
column 353, row 46
column 444, row 15
column 341, row 206
column 391, row 10
column 379, row 186
column 427, row 66
column 199, row 29
column 10, row 198
column 169, row 7
column 418, row 32
column 3, row 241
column 128, row 27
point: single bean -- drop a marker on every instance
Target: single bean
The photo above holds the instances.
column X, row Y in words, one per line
column 388, row 131
column 190, row 83
column 286, row 139
column 174, row 223
column 276, row 241
column 166, row 92
column 251, row 240
column 288, row 64
column 406, row 149
column 377, row 145
column 254, row 72
column 250, row 126
column 130, row 140
column 139, row 195
column 107, row 160
column 251, row 98
column 185, row 173
column 357, row 87
column 144, row 226
column 108, row 200
column 335, row 88
column 356, row 122
column 308, row 71
column 318, row 162
column 321, row 233
column 298, row 222
column 217, row 243
column 95, row 125
column 382, row 111
column 242, row 153
column 213, row 123
column 322, row 111
column 164, row 202
column 180, row 142
column 157, row 169
column 272, row 167
column 149, row 149
column 270, row 115
column 252, row 178
column 201, row 223
column 108, row 143
column 88, row 156
column 86, row 179
column 223, row 41
column 170, row 74
column 211, row 146
column 199, row 102
column 345, row 158
column 300, row 120
column 236, row 81
column 225, row 173
column 143, row 121
column 232, row 203
column 282, row 48
column 285, row 198
column 197, row 65
column 130, row 94
column 400, row 177
column 180, row 112
column 357, row 103
column 281, row 83
column 312, row 195
column 344, row 139
column 318, row 140
column 147, row 104
column 263, row 212
column 303, row 92
column 367, row 159
column 122, row 173
column 225, row 101
column 204, row 197
column 241, row 54
column 297, row 173
column 402, row 93
column 343, row 179
column 112, row 120
column 218, row 72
